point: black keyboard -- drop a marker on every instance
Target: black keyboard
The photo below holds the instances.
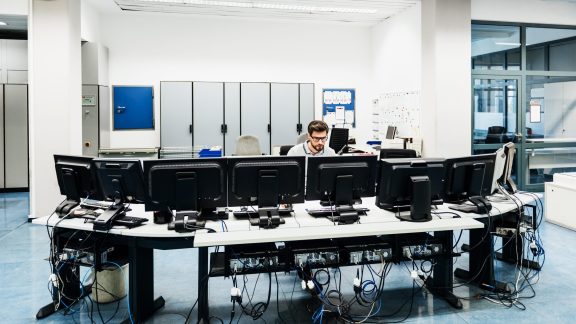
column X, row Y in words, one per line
column 326, row 212
column 129, row 221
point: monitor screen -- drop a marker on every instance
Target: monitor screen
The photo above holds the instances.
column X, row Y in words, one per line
column 468, row 176
column 341, row 180
column 185, row 184
column 402, row 179
column 75, row 177
column 265, row 181
column 391, row 132
column 120, row 180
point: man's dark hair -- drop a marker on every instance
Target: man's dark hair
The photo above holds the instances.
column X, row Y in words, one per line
column 317, row 126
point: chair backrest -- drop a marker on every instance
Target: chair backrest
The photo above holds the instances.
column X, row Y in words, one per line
column 302, row 138
column 285, row 148
column 247, row 145
column 496, row 134
column 397, row 153
column 338, row 138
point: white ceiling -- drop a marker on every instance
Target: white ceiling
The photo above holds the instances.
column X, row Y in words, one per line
column 368, row 12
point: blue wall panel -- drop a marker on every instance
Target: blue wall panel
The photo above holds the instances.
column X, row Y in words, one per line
column 133, row 107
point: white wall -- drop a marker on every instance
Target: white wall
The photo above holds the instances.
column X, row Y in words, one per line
column 14, row 7
column 396, row 47
column 527, row 11
column 89, row 22
column 146, row 49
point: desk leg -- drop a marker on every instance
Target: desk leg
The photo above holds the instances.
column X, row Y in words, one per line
column 70, row 293
column 442, row 281
column 203, row 311
column 141, row 284
column 481, row 264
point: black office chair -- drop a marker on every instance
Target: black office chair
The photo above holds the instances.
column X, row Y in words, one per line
column 496, row 134
column 338, row 139
column 285, row 148
column 397, row 153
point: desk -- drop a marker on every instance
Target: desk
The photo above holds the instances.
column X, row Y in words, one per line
column 300, row 227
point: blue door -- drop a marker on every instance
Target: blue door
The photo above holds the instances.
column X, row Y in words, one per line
column 133, row 107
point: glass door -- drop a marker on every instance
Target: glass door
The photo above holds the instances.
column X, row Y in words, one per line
column 495, row 118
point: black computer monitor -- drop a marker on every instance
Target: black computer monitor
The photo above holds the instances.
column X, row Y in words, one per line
column 506, row 180
column 391, row 132
column 267, row 182
column 194, row 188
column 120, row 181
column 338, row 139
column 410, row 184
column 76, row 181
column 341, row 181
column 468, row 176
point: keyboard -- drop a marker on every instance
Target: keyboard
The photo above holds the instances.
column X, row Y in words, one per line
column 129, row 221
column 465, row 208
column 327, row 212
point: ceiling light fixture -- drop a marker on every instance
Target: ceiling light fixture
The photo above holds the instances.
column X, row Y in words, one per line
column 262, row 5
column 507, row 44
column 3, row 23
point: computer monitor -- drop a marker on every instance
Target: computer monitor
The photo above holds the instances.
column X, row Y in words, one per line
column 499, row 166
column 391, row 132
column 410, row 184
column 194, row 188
column 76, row 181
column 120, row 181
column 338, row 139
column 468, row 176
column 341, row 181
column 265, row 181
column 506, row 179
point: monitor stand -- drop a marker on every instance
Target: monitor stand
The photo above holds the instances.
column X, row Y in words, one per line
column 345, row 214
column 420, row 207
column 268, row 217
column 186, row 221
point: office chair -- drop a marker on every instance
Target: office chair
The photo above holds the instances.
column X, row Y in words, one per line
column 397, row 153
column 338, row 139
column 302, row 138
column 285, row 148
column 247, row 145
column 496, row 134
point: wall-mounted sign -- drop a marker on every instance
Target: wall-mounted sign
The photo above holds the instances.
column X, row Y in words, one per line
column 88, row 100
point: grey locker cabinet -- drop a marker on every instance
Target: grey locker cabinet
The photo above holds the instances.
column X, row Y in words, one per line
column 176, row 114
column 16, row 135
column 306, row 106
column 231, row 127
column 255, row 116
column 284, row 113
column 90, row 120
column 208, row 114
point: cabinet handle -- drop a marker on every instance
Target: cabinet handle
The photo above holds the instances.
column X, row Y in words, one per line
column 269, row 128
column 191, row 129
column 224, row 128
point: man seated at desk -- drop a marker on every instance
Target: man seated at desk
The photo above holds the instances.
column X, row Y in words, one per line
column 315, row 145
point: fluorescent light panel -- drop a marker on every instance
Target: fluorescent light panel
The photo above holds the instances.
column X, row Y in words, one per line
column 261, row 5
column 3, row 23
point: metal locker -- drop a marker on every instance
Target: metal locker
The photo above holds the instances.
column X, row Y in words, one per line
column 16, row 135
column 231, row 116
column 306, row 105
column 284, row 113
column 176, row 114
column 208, row 113
column 90, row 120
column 255, row 112
column 2, row 136
column 105, row 113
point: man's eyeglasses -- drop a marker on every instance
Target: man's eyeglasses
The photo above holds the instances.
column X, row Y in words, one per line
column 319, row 139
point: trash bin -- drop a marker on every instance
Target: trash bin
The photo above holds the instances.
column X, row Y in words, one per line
column 109, row 285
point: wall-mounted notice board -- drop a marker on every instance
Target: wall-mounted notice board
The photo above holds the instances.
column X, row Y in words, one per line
column 133, row 107
column 338, row 107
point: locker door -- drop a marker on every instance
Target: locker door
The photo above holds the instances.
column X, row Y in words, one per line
column 255, row 112
column 231, row 116
column 306, row 105
column 284, row 113
column 104, row 111
column 176, row 114
column 16, row 135
column 1, row 136
column 90, row 102
column 208, row 113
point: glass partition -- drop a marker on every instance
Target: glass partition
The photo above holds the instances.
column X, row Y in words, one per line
column 495, row 106
column 495, row 47
column 550, row 49
column 542, row 163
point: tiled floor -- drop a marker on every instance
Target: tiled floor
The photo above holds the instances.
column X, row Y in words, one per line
column 24, row 285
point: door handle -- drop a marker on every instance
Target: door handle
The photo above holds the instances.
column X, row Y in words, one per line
column 518, row 137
